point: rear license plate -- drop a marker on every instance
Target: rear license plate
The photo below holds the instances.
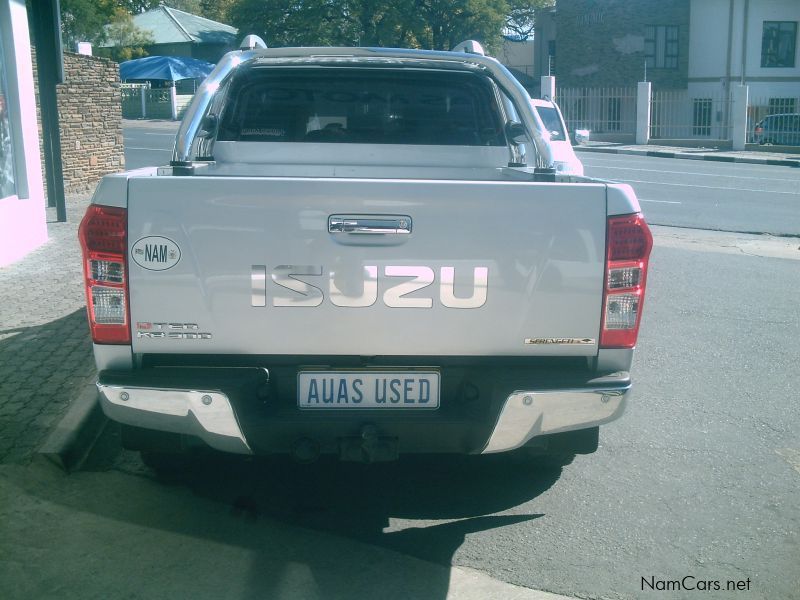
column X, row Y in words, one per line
column 368, row 389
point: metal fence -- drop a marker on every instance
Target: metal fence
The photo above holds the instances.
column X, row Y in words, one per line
column 132, row 99
column 773, row 120
column 689, row 117
column 140, row 101
column 675, row 115
column 602, row 110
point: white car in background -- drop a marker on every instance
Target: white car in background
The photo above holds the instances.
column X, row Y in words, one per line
column 565, row 160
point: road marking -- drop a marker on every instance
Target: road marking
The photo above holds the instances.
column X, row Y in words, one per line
column 169, row 134
column 691, row 173
column 660, row 201
column 156, row 149
column 708, row 187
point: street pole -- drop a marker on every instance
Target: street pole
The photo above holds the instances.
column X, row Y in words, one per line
column 46, row 19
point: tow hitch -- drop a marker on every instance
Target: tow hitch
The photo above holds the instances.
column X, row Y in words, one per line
column 369, row 447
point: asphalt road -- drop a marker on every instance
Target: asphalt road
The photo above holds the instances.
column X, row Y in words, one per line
column 706, row 195
column 720, row 196
column 147, row 146
column 698, row 479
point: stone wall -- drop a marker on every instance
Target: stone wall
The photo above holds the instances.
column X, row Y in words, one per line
column 90, row 120
column 600, row 43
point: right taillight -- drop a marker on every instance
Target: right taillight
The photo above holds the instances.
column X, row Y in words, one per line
column 628, row 248
column 103, row 238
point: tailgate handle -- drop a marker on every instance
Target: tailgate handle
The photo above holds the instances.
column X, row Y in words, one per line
column 369, row 225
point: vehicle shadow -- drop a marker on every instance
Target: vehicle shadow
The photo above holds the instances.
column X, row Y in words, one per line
column 362, row 501
column 267, row 529
column 420, row 507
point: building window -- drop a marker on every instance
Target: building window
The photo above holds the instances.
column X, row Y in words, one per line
column 661, row 46
column 701, row 123
column 778, row 43
column 8, row 186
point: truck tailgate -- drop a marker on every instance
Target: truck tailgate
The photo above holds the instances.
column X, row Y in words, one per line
column 270, row 266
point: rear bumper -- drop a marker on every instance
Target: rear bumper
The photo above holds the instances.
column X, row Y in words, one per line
column 236, row 418
column 528, row 414
column 207, row 415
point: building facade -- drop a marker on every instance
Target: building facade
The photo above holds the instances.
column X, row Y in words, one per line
column 617, row 43
column 704, row 46
column 544, row 43
column 516, row 54
column 23, row 222
column 751, row 42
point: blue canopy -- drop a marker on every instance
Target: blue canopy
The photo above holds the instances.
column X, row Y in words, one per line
column 165, row 68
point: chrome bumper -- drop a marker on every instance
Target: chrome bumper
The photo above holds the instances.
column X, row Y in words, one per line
column 527, row 414
column 207, row 415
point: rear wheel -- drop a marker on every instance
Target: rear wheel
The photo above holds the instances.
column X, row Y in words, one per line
column 165, row 463
column 164, row 452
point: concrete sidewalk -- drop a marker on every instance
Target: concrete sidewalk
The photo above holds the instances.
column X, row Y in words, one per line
column 780, row 159
column 45, row 350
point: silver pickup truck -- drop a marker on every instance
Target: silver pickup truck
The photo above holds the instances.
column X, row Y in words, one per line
column 366, row 253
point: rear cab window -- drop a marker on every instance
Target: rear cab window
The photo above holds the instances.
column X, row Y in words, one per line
column 357, row 106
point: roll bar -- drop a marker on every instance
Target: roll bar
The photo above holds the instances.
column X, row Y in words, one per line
column 197, row 110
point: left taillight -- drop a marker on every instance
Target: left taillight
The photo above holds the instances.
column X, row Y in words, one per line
column 628, row 246
column 103, row 238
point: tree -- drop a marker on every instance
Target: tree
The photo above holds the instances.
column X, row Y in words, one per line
column 521, row 17
column 101, row 21
column 191, row 6
column 295, row 22
column 211, row 9
column 135, row 7
column 217, row 10
column 433, row 24
column 446, row 23
column 384, row 23
column 85, row 20
column 128, row 40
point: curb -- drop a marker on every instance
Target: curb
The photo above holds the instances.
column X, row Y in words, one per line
column 471, row 584
column 69, row 443
column 704, row 157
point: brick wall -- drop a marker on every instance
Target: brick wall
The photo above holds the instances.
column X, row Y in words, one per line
column 90, row 120
column 600, row 43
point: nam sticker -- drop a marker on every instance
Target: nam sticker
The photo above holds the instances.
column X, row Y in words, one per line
column 156, row 253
